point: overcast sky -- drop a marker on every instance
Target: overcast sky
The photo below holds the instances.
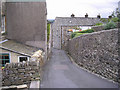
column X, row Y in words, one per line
column 64, row 8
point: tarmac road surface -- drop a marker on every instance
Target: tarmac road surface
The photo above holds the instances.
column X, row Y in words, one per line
column 60, row 72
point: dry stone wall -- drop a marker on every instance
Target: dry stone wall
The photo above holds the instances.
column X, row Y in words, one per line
column 20, row 73
column 97, row 52
column 97, row 28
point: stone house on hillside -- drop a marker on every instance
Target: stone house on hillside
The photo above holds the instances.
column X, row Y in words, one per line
column 14, row 52
column 26, row 22
column 61, row 24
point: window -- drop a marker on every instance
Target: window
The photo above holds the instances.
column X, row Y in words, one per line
column 4, row 58
column 23, row 58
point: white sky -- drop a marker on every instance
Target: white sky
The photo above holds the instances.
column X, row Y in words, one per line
column 64, row 8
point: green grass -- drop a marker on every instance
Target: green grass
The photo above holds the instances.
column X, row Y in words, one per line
column 78, row 34
column 86, row 31
column 98, row 24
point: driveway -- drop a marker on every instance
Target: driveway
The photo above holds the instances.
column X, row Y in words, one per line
column 59, row 72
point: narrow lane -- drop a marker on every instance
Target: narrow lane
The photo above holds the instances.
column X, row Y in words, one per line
column 59, row 72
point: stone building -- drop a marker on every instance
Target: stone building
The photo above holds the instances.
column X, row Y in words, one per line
column 61, row 24
column 3, row 11
column 14, row 52
column 0, row 15
column 27, row 22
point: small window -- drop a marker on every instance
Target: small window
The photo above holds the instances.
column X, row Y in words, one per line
column 4, row 58
column 23, row 58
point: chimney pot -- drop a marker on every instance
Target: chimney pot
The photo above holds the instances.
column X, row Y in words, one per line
column 110, row 17
column 86, row 16
column 72, row 15
column 98, row 16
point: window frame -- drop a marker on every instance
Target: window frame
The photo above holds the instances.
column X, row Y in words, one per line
column 9, row 57
column 28, row 58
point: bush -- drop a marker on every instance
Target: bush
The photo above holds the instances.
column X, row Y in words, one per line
column 86, row 31
column 115, row 19
column 76, row 34
column 48, row 32
column 110, row 25
column 73, row 35
column 104, row 20
column 99, row 24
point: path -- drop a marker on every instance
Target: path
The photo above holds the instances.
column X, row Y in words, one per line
column 59, row 72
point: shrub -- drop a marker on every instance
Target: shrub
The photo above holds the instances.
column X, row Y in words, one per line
column 99, row 24
column 104, row 20
column 115, row 19
column 76, row 34
column 86, row 31
column 48, row 31
column 73, row 35
column 110, row 25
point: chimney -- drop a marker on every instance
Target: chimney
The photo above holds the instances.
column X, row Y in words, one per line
column 86, row 16
column 109, row 17
column 98, row 16
column 72, row 15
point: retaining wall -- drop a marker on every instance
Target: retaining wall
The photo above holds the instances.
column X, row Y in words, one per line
column 97, row 52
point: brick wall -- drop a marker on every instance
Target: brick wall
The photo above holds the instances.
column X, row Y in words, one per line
column 97, row 52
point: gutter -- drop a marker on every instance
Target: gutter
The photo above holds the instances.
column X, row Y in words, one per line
column 15, row 51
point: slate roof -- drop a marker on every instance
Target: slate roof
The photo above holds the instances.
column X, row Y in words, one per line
column 69, row 21
column 25, row 0
column 19, row 48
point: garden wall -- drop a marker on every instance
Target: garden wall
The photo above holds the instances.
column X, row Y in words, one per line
column 20, row 73
column 97, row 28
column 100, row 28
column 97, row 52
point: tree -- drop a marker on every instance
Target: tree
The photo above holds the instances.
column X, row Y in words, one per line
column 115, row 13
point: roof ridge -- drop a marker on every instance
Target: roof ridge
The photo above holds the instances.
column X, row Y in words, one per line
column 25, row 0
column 83, row 17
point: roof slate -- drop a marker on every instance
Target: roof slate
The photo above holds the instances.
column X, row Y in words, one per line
column 18, row 47
column 25, row 0
column 68, row 21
